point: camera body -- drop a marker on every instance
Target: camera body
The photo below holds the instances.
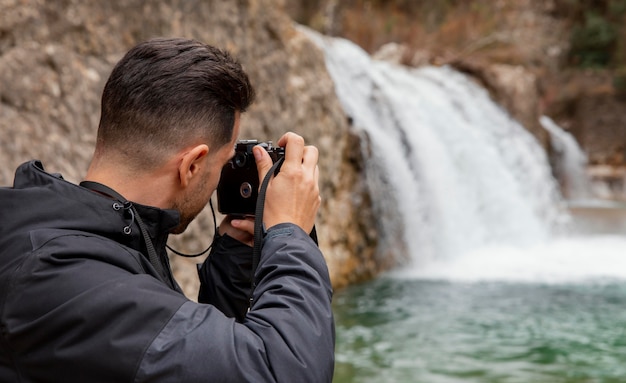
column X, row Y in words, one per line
column 237, row 190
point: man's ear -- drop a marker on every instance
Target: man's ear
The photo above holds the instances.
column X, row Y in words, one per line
column 191, row 163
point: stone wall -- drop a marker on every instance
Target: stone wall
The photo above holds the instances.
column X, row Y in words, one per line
column 56, row 56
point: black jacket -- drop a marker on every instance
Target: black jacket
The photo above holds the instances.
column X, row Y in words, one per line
column 80, row 302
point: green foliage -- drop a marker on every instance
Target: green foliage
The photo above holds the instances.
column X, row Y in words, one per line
column 593, row 42
column 617, row 8
column 598, row 26
column 619, row 82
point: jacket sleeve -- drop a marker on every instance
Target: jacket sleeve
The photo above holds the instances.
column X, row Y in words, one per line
column 287, row 336
column 226, row 277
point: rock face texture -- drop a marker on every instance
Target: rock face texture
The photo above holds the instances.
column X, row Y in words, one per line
column 56, row 56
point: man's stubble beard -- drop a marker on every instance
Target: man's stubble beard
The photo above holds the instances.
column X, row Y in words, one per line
column 189, row 206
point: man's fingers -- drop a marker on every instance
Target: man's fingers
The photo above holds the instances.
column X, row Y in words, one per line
column 263, row 161
column 240, row 229
column 246, row 225
column 294, row 148
column 310, row 157
column 293, row 196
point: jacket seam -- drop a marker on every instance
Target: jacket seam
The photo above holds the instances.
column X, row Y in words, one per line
column 149, row 344
column 282, row 232
column 10, row 284
column 86, row 235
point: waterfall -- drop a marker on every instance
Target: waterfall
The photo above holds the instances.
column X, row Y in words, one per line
column 461, row 172
column 569, row 163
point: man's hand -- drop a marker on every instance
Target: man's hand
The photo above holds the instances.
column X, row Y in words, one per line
column 241, row 229
column 293, row 194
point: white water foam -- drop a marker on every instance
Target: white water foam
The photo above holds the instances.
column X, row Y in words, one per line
column 561, row 260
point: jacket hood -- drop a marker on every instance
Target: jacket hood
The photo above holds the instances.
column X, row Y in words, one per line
column 42, row 200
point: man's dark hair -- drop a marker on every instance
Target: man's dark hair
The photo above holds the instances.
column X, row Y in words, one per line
column 168, row 93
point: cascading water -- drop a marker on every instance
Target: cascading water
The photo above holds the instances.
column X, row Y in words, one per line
column 496, row 294
column 463, row 173
column 570, row 162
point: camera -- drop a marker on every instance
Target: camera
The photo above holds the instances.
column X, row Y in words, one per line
column 238, row 188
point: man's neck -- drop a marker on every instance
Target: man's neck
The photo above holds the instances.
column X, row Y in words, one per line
column 146, row 189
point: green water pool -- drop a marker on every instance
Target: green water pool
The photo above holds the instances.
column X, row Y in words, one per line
column 399, row 330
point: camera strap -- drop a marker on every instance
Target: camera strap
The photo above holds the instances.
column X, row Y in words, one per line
column 259, row 229
column 123, row 203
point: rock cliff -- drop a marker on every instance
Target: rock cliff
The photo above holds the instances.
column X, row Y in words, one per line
column 56, row 56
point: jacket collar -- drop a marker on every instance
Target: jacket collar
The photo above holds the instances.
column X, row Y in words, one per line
column 96, row 212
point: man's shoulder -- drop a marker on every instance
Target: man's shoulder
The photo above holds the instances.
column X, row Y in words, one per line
column 67, row 244
column 87, row 288
column 78, row 261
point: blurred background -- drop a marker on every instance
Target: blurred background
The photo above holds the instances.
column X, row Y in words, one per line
column 473, row 160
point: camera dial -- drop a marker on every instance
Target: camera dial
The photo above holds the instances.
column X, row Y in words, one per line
column 245, row 190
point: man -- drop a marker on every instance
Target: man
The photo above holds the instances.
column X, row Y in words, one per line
column 86, row 292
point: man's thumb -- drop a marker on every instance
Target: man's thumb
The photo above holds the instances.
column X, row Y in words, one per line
column 263, row 161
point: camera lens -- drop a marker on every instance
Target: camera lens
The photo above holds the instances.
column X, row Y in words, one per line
column 245, row 190
column 240, row 159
